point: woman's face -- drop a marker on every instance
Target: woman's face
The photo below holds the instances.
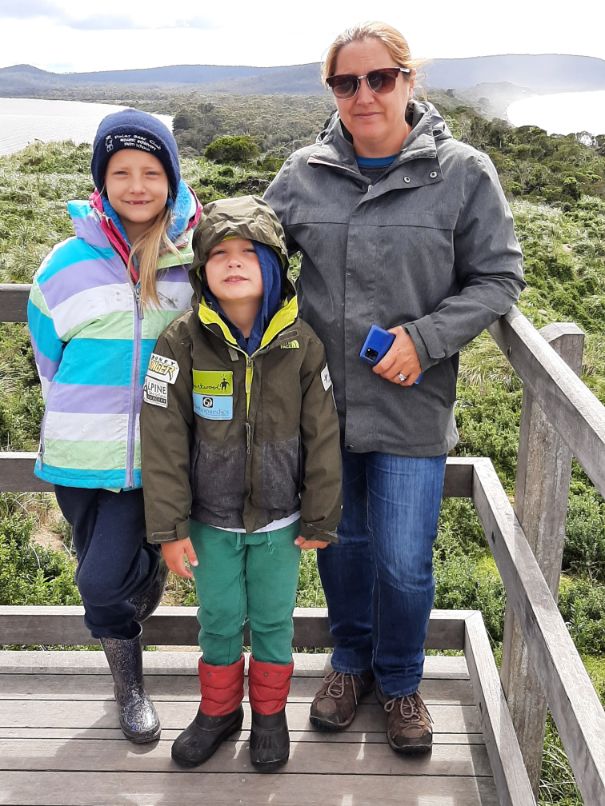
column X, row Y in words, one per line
column 376, row 121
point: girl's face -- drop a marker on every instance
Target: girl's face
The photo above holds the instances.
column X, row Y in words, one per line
column 233, row 272
column 376, row 120
column 137, row 188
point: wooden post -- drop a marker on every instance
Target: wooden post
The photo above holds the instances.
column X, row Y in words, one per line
column 541, row 500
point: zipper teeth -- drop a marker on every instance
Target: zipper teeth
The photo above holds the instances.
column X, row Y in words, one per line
column 134, row 385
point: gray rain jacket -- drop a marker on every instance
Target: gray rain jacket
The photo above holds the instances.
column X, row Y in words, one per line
column 429, row 246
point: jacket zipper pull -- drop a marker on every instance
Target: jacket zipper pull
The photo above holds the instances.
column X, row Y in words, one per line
column 137, row 299
column 248, row 437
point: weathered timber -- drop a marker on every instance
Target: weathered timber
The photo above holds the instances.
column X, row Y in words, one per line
column 568, row 404
column 13, row 302
column 571, row 697
column 58, row 747
column 512, row 781
column 17, row 474
column 541, row 499
column 178, row 626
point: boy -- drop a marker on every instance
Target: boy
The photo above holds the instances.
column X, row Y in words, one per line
column 241, row 467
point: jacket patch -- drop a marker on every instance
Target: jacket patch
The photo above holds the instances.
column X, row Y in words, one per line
column 163, row 369
column 325, row 378
column 155, row 392
column 213, row 408
column 212, row 382
column 213, row 394
column 290, row 345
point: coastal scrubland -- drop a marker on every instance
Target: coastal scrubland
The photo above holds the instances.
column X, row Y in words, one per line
column 556, row 187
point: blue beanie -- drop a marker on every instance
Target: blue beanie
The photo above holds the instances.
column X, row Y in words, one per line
column 132, row 128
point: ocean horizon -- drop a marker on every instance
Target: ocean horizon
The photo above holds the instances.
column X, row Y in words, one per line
column 562, row 113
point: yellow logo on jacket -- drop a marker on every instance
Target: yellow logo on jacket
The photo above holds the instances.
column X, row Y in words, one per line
column 213, row 394
column 212, row 382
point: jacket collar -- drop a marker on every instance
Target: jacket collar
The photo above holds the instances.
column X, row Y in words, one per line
column 335, row 148
column 282, row 319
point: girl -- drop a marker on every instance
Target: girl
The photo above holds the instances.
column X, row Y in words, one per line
column 96, row 307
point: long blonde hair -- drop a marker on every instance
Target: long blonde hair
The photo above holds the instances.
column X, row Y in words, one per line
column 391, row 38
column 145, row 252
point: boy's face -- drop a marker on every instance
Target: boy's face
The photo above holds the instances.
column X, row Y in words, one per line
column 233, row 272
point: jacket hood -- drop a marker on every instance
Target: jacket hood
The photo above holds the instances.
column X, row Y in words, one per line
column 422, row 116
column 248, row 217
column 97, row 223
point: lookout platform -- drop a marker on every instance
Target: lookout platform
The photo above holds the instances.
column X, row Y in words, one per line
column 60, row 744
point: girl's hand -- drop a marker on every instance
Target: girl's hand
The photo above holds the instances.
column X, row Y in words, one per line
column 305, row 545
column 401, row 361
column 176, row 553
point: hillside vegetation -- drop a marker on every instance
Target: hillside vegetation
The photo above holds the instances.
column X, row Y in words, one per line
column 557, row 190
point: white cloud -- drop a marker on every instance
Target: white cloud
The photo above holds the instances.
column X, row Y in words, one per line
column 116, row 35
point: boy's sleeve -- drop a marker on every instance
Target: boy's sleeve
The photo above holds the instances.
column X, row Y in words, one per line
column 320, row 434
column 166, row 422
column 46, row 343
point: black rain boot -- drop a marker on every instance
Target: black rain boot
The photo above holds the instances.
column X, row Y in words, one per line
column 146, row 601
column 138, row 717
column 269, row 741
column 202, row 738
column 220, row 713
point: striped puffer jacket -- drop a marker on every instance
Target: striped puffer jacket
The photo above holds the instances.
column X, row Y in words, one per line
column 92, row 341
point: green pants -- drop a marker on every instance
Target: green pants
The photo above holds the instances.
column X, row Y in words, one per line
column 245, row 577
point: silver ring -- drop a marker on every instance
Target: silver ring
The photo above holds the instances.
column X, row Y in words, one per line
column 401, row 377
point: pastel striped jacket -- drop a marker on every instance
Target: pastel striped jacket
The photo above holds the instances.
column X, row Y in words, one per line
column 92, row 342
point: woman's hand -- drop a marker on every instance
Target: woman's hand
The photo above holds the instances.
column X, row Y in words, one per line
column 400, row 365
column 175, row 553
column 306, row 545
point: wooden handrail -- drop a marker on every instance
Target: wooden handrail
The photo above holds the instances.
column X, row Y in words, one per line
column 572, row 409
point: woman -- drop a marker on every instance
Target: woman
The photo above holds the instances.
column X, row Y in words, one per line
column 97, row 305
column 401, row 226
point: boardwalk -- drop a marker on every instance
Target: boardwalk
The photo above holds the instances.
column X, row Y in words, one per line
column 60, row 744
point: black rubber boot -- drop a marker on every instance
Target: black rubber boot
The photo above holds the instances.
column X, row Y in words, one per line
column 138, row 718
column 147, row 601
column 203, row 737
column 269, row 741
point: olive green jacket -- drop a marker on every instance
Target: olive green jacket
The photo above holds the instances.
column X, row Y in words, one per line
column 232, row 440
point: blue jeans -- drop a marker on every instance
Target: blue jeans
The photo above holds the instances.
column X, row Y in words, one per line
column 378, row 578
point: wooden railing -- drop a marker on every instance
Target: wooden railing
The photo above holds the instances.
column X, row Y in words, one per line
column 541, row 668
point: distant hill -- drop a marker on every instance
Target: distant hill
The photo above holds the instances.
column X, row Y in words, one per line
column 534, row 73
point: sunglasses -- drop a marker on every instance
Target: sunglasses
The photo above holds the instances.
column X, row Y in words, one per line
column 379, row 81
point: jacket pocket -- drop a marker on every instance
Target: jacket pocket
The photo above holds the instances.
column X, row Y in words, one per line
column 277, row 477
column 217, row 477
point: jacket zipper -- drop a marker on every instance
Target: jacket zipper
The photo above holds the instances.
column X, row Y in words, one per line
column 135, row 397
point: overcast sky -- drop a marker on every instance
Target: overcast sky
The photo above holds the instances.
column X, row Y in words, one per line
column 71, row 35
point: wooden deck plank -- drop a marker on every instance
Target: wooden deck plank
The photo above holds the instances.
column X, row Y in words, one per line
column 185, row 663
column 60, row 744
column 356, row 758
column 170, row 734
column 103, row 714
column 186, row 688
column 164, row 789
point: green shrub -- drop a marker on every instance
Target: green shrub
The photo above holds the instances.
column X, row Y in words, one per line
column 582, row 606
column 30, row 574
column 584, row 551
column 228, row 148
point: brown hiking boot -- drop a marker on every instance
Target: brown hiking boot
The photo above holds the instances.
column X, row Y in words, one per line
column 335, row 703
column 408, row 723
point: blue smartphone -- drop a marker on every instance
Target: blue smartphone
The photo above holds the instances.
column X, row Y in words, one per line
column 376, row 345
